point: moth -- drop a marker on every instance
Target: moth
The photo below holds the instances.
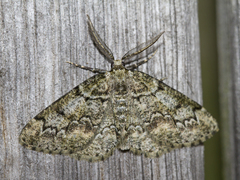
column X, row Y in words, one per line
column 121, row 109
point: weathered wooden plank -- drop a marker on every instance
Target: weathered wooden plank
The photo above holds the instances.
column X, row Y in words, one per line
column 229, row 73
column 37, row 37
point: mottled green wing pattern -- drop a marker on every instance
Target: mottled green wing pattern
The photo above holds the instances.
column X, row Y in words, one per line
column 119, row 108
column 76, row 124
column 167, row 119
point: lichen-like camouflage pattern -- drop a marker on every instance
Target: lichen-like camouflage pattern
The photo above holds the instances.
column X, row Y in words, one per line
column 121, row 108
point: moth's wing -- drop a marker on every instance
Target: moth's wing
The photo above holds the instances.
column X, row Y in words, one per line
column 79, row 124
column 167, row 118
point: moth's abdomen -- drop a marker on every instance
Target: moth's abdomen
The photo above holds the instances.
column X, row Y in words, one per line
column 120, row 109
column 120, row 103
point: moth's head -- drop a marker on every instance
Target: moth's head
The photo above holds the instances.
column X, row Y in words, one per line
column 125, row 62
column 117, row 64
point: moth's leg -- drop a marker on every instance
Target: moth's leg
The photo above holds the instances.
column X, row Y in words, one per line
column 94, row 70
column 134, row 66
column 162, row 79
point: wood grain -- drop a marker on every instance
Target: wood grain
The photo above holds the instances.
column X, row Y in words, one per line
column 229, row 85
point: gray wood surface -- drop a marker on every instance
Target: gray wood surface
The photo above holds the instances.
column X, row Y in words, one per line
column 37, row 37
column 229, row 75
